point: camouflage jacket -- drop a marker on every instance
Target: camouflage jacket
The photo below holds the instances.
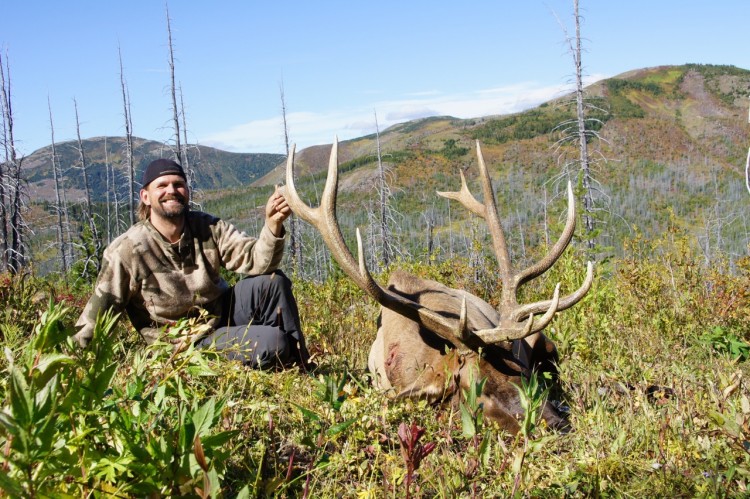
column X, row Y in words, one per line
column 157, row 282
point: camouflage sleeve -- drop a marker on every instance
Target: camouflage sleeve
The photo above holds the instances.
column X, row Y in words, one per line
column 247, row 255
column 113, row 290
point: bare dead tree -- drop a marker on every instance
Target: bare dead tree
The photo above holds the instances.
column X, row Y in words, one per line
column 110, row 185
column 579, row 132
column 430, row 225
column 384, row 209
column 747, row 162
column 129, row 162
column 13, row 256
column 115, row 200
column 4, row 185
column 321, row 262
column 189, row 167
column 372, row 250
column 173, row 93
column 93, row 250
column 546, row 226
column 59, row 207
column 588, row 200
column 295, row 240
column 4, row 180
column 521, row 224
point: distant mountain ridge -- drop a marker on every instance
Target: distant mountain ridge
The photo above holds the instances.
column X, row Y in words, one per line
column 693, row 94
column 704, row 102
column 214, row 168
column 670, row 151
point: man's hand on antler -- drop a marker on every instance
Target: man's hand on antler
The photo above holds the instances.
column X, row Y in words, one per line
column 277, row 210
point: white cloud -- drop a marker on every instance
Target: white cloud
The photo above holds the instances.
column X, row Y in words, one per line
column 307, row 128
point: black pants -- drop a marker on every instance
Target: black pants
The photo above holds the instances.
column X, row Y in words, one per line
column 260, row 323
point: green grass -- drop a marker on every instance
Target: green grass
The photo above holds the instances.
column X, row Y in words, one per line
column 653, row 363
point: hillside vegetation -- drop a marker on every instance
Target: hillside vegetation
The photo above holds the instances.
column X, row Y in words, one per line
column 654, row 361
column 673, row 142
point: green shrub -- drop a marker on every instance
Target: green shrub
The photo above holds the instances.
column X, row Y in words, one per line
column 652, row 372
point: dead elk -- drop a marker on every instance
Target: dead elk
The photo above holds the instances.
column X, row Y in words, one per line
column 434, row 339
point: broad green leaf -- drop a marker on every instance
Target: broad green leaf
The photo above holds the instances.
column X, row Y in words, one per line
column 539, row 444
column 110, row 470
column 717, row 418
column 135, row 388
column 203, row 417
column 50, row 331
column 103, row 379
column 307, row 413
column 219, row 439
column 338, row 428
column 21, row 401
column 727, row 423
column 9, row 356
column 10, row 486
column 214, row 482
column 468, row 425
column 45, row 399
column 160, row 395
column 200, row 367
column 48, row 366
column 484, row 448
column 518, row 461
column 9, row 424
column 44, row 437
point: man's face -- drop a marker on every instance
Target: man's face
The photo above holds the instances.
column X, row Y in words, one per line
column 167, row 196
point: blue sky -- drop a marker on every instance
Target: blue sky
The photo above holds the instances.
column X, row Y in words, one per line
column 341, row 62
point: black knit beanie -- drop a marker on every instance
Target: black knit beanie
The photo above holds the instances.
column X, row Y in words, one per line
column 159, row 168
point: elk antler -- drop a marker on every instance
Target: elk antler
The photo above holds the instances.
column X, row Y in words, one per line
column 511, row 312
column 323, row 218
column 453, row 330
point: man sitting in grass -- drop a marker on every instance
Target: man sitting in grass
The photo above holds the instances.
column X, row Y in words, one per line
column 166, row 267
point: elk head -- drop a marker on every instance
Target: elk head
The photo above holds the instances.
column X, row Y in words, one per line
column 434, row 339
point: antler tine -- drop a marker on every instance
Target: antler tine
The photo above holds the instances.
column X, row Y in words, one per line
column 494, row 225
column 290, row 190
column 465, row 197
column 549, row 314
column 331, row 187
column 462, row 331
column 487, row 211
column 510, row 327
column 557, row 249
column 324, row 219
column 565, row 302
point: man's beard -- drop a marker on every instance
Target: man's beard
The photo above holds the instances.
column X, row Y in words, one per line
column 173, row 211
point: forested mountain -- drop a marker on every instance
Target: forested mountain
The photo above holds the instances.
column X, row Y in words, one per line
column 214, row 168
column 668, row 150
